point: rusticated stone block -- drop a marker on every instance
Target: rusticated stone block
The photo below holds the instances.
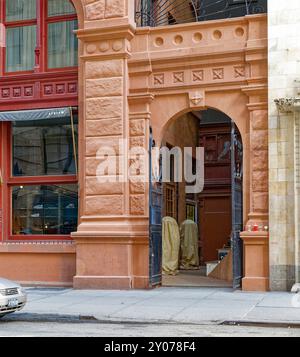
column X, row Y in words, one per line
column 259, row 140
column 92, row 164
column 104, row 87
column 137, row 204
column 137, row 127
column 137, row 142
column 260, row 181
column 137, row 187
column 138, row 166
column 99, row 147
column 260, row 160
column 95, row 10
column 104, row 127
column 99, row 187
column 104, row 205
column 104, row 69
column 115, row 8
column 259, row 120
column 104, row 108
column 260, row 202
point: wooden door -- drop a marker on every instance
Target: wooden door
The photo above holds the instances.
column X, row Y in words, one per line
column 215, row 225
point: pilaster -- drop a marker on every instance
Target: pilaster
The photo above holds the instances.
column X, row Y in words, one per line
column 112, row 236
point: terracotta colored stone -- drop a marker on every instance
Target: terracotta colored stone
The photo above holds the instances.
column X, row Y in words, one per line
column 104, row 87
column 91, row 165
column 114, row 8
column 98, row 186
column 95, row 10
column 137, row 127
column 260, row 202
column 104, row 69
column 104, row 127
column 259, row 140
column 259, row 120
column 260, row 181
column 120, row 95
column 137, row 142
column 260, row 160
column 104, row 108
column 104, row 205
column 137, row 187
column 137, row 204
column 102, row 145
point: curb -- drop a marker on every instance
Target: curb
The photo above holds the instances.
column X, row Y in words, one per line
column 60, row 318
column 276, row 324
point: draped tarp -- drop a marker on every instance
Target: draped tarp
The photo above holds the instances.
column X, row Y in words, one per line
column 35, row 114
column 170, row 246
column 189, row 258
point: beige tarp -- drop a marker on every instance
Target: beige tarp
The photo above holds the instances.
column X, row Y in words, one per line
column 170, row 246
column 189, row 258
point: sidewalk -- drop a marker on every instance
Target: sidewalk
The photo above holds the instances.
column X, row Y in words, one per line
column 171, row 305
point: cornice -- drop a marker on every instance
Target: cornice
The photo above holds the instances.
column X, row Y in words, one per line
column 95, row 34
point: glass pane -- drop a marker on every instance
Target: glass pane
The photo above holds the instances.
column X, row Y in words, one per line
column 45, row 209
column 62, row 44
column 17, row 10
column 44, row 147
column 60, row 7
column 20, row 46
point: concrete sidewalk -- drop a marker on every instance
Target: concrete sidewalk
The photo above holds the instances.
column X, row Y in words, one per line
column 171, row 305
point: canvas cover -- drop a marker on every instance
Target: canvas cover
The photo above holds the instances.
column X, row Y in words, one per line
column 189, row 257
column 170, row 246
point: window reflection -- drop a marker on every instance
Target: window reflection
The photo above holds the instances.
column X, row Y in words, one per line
column 45, row 209
column 44, row 147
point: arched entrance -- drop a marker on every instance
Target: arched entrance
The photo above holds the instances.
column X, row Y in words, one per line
column 212, row 254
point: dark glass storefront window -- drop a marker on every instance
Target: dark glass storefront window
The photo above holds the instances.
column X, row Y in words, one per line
column 44, row 147
column 44, row 209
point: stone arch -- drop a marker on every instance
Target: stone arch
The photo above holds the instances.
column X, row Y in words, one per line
column 166, row 109
column 234, row 104
column 79, row 6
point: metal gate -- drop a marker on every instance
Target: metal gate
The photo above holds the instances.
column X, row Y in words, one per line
column 237, row 205
column 155, row 213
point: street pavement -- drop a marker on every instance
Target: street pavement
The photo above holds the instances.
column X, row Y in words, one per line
column 164, row 305
column 14, row 328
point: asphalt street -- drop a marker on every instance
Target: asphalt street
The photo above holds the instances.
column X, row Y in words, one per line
column 15, row 328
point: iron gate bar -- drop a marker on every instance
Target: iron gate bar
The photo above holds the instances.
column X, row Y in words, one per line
column 169, row 12
column 237, row 206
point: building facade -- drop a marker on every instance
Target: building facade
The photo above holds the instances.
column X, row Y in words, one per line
column 284, row 143
column 129, row 84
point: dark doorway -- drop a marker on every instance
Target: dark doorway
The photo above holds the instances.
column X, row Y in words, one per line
column 217, row 210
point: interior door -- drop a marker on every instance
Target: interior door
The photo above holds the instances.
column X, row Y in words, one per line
column 155, row 212
column 236, row 205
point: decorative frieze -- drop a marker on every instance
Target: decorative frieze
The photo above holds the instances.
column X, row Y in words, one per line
column 192, row 77
column 37, row 90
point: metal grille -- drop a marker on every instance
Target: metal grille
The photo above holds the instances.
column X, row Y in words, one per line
column 171, row 12
column 9, row 292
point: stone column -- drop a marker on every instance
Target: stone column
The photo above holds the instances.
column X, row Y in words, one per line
column 256, row 262
column 112, row 239
column 256, row 258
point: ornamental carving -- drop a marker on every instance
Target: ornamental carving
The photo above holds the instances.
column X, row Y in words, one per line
column 286, row 105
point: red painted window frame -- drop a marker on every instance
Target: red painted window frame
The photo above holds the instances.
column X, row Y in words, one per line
column 42, row 21
column 7, row 179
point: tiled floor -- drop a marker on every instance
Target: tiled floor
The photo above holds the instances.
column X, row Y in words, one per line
column 193, row 278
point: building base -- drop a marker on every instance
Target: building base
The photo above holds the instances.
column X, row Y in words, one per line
column 256, row 261
column 111, row 262
column 38, row 264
